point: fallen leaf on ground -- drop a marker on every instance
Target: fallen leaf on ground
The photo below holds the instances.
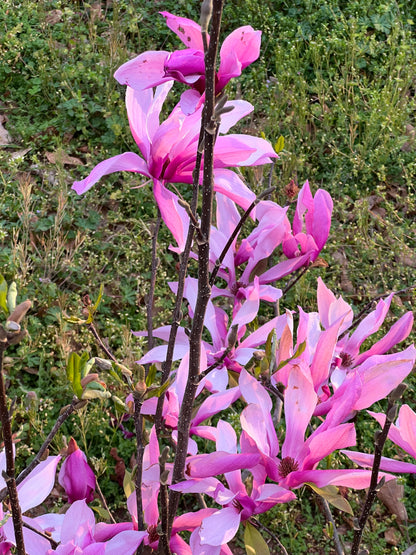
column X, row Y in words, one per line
column 60, row 157
column 5, row 138
column 391, row 495
column 53, row 17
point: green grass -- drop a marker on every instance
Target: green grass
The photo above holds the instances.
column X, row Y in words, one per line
column 335, row 78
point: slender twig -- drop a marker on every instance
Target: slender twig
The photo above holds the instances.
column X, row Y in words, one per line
column 328, row 514
column 104, row 502
column 138, row 425
column 258, row 524
column 9, row 475
column 295, row 279
column 53, row 543
column 374, row 484
column 357, row 319
column 210, row 130
column 164, row 494
column 152, row 284
column 107, row 351
column 236, row 231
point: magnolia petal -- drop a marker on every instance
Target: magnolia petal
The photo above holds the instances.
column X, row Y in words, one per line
column 187, row 30
column 391, row 465
column 36, row 487
column 220, row 462
column 300, row 402
column 144, row 71
column 127, row 162
column 220, row 527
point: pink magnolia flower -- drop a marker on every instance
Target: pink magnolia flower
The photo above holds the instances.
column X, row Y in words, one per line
column 311, row 225
column 169, row 152
column 238, row 505
column 299, row 456
column 76, row 476
column 78, row 534
column 239, row 49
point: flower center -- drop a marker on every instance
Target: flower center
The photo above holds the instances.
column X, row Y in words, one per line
column 153, row 535
column 346, row 360
column 236, row 286
column 287, row 466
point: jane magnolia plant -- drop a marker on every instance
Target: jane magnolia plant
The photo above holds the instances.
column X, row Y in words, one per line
column 306, row 374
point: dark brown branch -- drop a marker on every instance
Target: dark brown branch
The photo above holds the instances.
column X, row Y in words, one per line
column 53, row 543
column 236, row 231
column 380, row 440
column 339, row 550
column 60, row 420
column 9, row 475
column 138, row 426
column 258, row 524
column 210, row 125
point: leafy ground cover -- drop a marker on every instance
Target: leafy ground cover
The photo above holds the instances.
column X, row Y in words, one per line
column 335, row 79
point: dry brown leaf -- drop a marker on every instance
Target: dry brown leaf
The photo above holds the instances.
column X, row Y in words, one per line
column 5, row 137
column 392, row 536
column 20, row 153
column 60, row 157
column 391, row 495
column 53, row 17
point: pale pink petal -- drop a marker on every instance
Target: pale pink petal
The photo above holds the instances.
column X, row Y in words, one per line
column 127, row 162
column 390, row 465
column 397, row 333
column 174, row 215
column 215, row 403
column 368, row 326
column 36, row 487
column 324, row 353
column 230, row 185
column 284, row 268
column 220, row 462
column 356, row 479
column 144, row 71
column 300, row 402
column 125, row 542
column 253, row 392
column 78, row 525
column 331, row 309
column 198, row 549
column 220, row 527
column 239, row 49
column 382, row 373
column 187, row 30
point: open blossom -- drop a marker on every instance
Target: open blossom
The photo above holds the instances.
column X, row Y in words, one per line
column 152, row 68
column 76, row 476
column 238, row 505
column 169, row 152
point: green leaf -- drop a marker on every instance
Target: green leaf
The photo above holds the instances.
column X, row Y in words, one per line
column 11, row 297
column 90, row 393
column 128, row 484
column 3, row 295
column 299, row 351
column 151, row 375
column 103, row 513
column 119, row 405
column 73, row 373
column 280, row 144
column 93, row 309
column 254, row 542
column 330, row 494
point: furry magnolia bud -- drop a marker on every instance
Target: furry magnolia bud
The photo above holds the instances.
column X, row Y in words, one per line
column 20, row 312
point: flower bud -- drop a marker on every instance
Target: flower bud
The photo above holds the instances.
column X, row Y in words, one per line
column 76, row 476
